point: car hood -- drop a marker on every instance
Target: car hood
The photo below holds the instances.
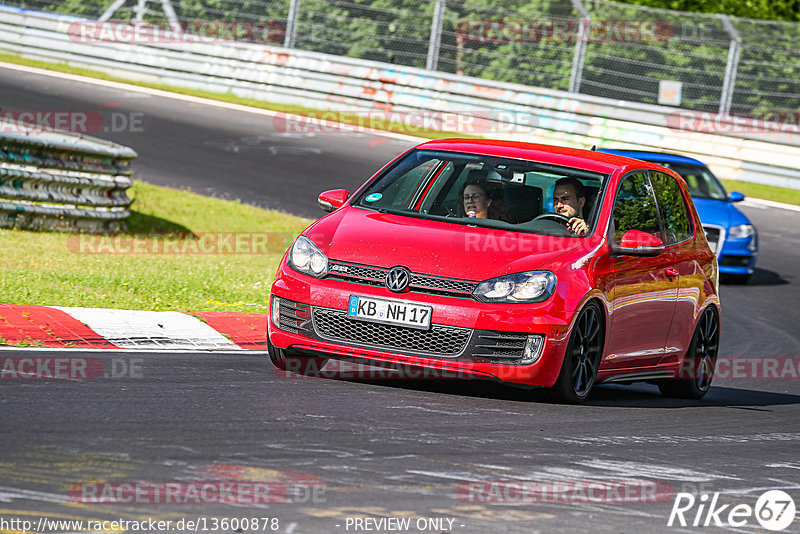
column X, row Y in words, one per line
column 719, row 212
column 432, row 247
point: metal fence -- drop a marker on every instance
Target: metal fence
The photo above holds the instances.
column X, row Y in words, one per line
column 62, row 182
column 594, row 47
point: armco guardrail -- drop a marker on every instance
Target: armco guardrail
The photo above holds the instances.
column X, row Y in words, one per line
column 735, row 149
column 63, row 182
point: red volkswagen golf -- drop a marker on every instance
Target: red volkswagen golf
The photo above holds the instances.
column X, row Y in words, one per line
column 529, row 264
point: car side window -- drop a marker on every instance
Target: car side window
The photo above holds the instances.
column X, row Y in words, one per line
column 401, row 193
column 635, row 207
column 674, row 213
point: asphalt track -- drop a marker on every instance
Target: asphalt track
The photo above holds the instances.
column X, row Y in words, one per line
column 380, row 449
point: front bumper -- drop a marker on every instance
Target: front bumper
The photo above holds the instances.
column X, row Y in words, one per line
column 738, row 256
column 467, row 337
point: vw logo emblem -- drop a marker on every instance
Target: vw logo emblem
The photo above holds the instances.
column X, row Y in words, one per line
column 397, row 279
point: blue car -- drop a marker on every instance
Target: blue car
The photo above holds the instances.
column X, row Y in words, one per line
column 728, row 231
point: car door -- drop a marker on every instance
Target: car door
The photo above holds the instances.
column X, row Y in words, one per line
column 642, row 290
column 677, row 233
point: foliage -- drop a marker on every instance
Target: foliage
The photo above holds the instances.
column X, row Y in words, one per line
column 788, row 10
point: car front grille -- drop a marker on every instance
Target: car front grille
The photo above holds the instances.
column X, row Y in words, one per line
column 735, row 261
column 439, row 341
column 422, row 283
column 715, row 237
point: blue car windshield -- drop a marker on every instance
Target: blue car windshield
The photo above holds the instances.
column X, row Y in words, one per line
column 701, row 181
column 504, row 193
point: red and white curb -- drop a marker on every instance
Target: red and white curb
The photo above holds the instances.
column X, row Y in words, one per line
column 98, row 328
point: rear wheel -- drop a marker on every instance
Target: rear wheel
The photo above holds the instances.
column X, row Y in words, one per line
column 283, row 360
column 582, row 358
column 697, row 371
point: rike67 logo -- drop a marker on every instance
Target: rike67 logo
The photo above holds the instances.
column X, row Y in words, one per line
column 774, row 510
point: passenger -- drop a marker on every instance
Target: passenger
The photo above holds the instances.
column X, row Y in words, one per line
column 569, row 197
column 477, row 201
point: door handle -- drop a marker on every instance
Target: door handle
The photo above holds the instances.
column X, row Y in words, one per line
column 671, row 273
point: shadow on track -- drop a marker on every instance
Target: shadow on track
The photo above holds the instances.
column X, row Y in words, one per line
column 760, row 277
column 638, row 396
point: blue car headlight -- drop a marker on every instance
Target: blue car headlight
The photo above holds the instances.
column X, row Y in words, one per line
column 305, row 257
column 741, row 231
column 530, row 286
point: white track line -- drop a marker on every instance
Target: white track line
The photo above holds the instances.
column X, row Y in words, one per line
column 759, row 203
column 129, row 329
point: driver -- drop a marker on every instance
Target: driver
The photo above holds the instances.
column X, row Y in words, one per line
column 569, row 198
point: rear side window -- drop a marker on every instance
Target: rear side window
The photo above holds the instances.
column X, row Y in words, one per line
column 635, row 207
column 674, row 213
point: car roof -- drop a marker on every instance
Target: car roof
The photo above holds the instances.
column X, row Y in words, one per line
column 591, row 160
column 646, row 155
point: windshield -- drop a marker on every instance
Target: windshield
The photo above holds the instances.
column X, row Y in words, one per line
column 509, row 194
column 701, row 181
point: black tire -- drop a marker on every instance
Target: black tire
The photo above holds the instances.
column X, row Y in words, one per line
column 582, row 358
column 282, row 360
column 697, row 370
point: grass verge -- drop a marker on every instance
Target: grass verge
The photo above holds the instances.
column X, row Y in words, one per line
column 185, row 252
column 767, row 192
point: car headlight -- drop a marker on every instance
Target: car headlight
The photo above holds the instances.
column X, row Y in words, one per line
column 305, row 257
column 531, row 286
column 741, row 231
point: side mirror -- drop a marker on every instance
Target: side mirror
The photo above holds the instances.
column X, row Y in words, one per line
column 735, row 196
column 638, row 243
column 333, row 199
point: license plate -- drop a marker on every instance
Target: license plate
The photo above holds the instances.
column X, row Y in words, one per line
column 390, row 312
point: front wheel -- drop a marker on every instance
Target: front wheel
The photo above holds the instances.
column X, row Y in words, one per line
column 697, row 369
column 283, row 361
column 582, row 358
